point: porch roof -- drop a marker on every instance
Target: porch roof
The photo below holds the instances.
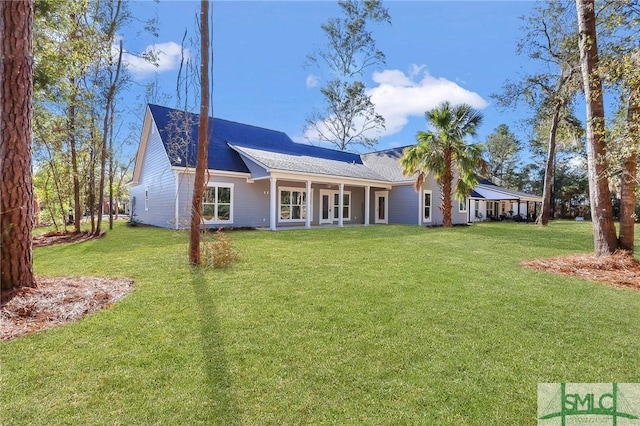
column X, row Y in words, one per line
column 301, row 163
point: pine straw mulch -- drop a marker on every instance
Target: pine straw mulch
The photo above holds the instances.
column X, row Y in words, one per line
column 620, row 269
column 61, row 237
column 57, row 301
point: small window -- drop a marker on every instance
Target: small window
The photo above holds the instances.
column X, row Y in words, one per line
column 427, row 206
column 293, row 204
column 146, row 199
column 217, row 203
column 462, row 206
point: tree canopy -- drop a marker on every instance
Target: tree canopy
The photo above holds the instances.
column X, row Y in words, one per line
column 444, row 152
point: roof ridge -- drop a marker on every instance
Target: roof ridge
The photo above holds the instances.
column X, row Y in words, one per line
column 219, row 118
column 387, row 149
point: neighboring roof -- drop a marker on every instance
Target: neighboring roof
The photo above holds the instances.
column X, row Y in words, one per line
column 491, row 191
column 171, row 122
column 387, row 164
column 276, row 161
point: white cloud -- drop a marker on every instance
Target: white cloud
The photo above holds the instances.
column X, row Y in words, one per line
column 399, row 96
column 168, row 56
column 312, row 81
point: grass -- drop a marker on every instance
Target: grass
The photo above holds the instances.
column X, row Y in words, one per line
column 384, row 325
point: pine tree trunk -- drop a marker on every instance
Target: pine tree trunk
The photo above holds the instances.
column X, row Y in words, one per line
column 548, row 173
column 16, row 187
column 629, row 174
column 108, row 111
column 74, row 161
column 203, row 137
column 604, row 232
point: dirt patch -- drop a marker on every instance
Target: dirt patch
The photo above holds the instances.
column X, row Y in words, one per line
column 620, row 269
column 62, row 237
column 57, row 301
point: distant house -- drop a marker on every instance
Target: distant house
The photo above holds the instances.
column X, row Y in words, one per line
column 491, row 201
column 261, row 178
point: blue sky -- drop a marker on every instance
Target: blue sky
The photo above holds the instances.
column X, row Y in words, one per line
column 461, row 51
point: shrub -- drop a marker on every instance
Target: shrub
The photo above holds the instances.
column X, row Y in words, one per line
column 218, row 250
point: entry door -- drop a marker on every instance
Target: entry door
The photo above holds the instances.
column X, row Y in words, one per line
column 382, row 207
column 326, row 206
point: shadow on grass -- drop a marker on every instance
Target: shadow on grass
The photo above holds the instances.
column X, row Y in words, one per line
column 224, row 409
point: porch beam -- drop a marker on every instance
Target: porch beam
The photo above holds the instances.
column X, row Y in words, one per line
column 307, row 222
column 367, row 201
column 272, row 203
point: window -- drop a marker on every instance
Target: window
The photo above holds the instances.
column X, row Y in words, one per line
column 427, row 206
column 346, row 205
column 490, row 208
column 293, row 204
column 217, row 203
column 146, row 199
column 462, row 206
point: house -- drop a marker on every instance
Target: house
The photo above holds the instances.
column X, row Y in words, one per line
column 490, row 201
column 260, row 178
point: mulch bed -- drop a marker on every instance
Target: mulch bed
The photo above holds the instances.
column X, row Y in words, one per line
column 57, row 301
column 60, row 300
column 61, row 237
column 619, row 269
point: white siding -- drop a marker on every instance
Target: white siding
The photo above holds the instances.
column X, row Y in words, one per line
column 250, row 201
column 157, row 177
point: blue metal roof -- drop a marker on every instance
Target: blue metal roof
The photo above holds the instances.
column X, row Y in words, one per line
column 172, row 123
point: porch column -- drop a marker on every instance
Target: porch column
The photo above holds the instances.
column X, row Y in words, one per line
column 307, row 222
column 272, row 203
column 341, row 205
column 367, row 201
column 469, row 212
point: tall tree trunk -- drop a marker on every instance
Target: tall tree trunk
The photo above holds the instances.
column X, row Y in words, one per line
column 105, row 134
column 604, row 232
column 91, row 174
column 203, row 137
column 548, row 173
column 111, row 171
column 74, row 159
column 629, row 173
column 16, row 185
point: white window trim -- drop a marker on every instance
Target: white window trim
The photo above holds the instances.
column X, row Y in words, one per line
column 292, row 189
column 462, row 204
column 424, row 218
column 337, row 206
column 215, row 220
column 146, row 199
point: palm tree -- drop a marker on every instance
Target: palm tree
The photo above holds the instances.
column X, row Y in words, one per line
column 443, row 152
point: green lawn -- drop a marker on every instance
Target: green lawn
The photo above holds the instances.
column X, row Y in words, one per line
column 367, row 325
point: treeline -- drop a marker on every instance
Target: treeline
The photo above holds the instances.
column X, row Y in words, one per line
column 553, row 37
column 78, row 134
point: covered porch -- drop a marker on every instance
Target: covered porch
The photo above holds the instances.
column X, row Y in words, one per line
column 305, row 191
column 305, row 202
column 490, row 202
